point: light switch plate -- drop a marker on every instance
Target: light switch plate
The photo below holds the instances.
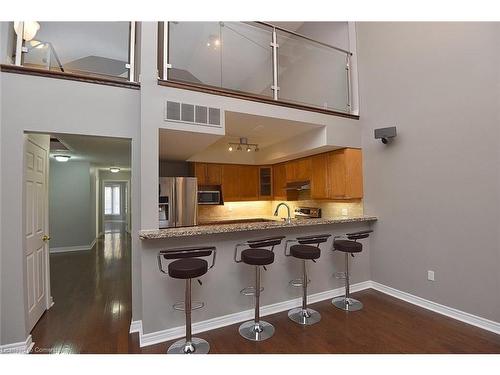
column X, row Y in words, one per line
column 430, row 275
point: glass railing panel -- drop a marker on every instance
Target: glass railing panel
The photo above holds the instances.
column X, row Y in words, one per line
column 88, row 48
column 311, row 73
column 194, row 52
column 247, row 58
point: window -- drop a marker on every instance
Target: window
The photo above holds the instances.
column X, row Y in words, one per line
column 112, row 200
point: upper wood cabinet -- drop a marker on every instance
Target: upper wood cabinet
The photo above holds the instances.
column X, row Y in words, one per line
column 333, row 175
column 319, row 177
column 345, row 174
column 240, row 182
column 266, row 183
column 298, row 170
column 279, row 181
column 208, row 173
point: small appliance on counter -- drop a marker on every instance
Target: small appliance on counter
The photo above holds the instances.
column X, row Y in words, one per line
column 178, row 202
column 307, row 213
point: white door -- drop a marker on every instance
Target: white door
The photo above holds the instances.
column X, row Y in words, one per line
column 36, row 225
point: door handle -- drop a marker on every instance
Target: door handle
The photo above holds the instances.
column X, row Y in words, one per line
column 45, row 238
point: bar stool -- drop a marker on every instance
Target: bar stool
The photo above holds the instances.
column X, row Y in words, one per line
column 256, row 255
column 187, row 265
column 305, row 251
column 348, row 245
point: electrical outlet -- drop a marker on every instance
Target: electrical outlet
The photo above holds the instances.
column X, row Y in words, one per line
column 344, row 212
column 430, row 275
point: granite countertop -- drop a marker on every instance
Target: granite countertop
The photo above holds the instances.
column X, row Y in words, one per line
column 213, row 228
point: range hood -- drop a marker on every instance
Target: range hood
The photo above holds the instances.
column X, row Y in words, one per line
column 298, row 186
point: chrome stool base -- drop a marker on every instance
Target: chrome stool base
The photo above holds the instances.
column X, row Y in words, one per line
column 256, row 331
column 347, row 304
column 196, row 346
column 304, row 317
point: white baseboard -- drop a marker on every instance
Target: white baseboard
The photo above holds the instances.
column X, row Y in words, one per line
column 73, row 248
column 22, row 347
column 146, row 339
column 463, row 316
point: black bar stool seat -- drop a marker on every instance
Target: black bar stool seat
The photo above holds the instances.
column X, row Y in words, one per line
column 307, row 248
column 305, row 252
column 257, row 257
column 186, row 263
column 187, row 268
column 347, row 246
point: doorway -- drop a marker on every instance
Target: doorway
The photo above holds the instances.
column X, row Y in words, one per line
column 77, row 242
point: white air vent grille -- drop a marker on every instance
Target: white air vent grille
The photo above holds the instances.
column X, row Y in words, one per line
column 187, row 112
column 173, row 111
column 214, row 116
column 201, row 115
column 193, row 114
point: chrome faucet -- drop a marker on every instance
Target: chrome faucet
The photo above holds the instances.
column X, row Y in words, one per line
column 288, row 220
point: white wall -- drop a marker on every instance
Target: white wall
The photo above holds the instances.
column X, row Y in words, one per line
column 436, row 188
column 59, row 106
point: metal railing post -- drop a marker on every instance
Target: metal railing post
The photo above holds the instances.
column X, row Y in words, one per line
column 19, row 45
column 274, row 45
column 348, row 73
column 131, row 57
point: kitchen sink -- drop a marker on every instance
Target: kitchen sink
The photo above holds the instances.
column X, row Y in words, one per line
column 237, row 221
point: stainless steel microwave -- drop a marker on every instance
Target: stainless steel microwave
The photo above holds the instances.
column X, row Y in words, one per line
column 209, row 197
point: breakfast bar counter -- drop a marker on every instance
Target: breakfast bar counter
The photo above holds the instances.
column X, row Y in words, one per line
column 243, row 225
column 224, row 304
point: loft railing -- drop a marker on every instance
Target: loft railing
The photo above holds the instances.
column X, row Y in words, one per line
column 258, row 60
column 94, row 49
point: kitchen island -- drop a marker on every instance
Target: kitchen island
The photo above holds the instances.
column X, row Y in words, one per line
column 222, row 284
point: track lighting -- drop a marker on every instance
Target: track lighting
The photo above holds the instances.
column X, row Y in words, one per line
column 243, row 143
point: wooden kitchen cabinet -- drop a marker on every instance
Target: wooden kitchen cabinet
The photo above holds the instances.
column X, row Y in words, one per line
column 320, row 177
column 298, row 170
column 208, row 173
column 345, row 174
column 240, row 182
column 279, row 181
column 266, row 183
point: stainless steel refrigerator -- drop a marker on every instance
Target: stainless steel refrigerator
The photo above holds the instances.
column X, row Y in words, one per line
column 178, row 202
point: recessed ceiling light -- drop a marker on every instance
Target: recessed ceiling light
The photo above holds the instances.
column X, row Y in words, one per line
column 249, row 149
column 114, row 170
column 62, row 158
column 230, row 148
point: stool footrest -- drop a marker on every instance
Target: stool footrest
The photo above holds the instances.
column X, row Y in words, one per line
column 298, row 283
column 339, row 275
column 250, row 291
column 179, row 306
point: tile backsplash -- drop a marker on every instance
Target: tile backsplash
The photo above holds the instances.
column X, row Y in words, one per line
column 266, row 208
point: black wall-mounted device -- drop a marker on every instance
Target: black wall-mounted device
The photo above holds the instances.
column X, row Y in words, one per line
column 386, row 135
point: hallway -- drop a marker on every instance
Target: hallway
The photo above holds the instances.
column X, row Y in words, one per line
column 92, row 296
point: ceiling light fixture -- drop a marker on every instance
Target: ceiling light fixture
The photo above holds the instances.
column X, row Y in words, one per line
column 213, row 41
column 62, row 158
column 243, row 143
column 30, row 28
column 114, row 169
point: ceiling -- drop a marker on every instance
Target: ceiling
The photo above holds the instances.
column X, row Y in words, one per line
column 265, row 131
column 103, row 152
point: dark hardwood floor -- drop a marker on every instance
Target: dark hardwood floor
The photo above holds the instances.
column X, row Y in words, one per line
column 92, row 314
